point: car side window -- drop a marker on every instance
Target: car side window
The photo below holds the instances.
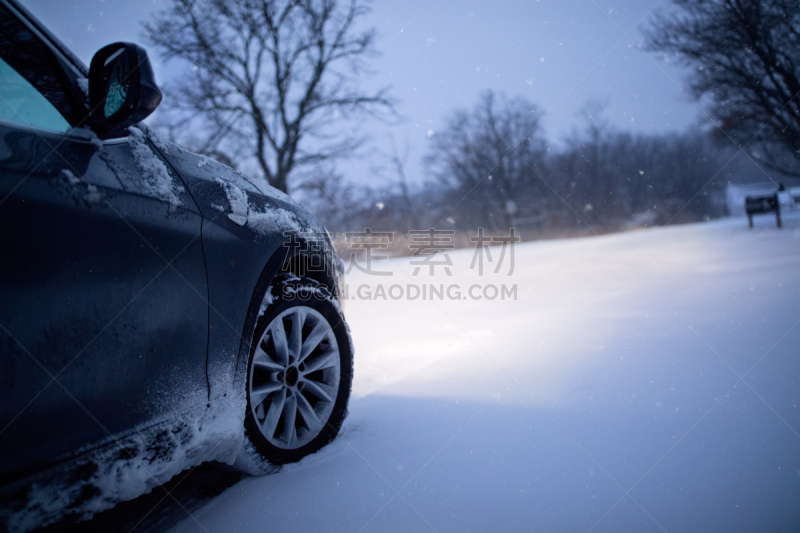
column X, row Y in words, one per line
column 21, row 103
column 31, row 84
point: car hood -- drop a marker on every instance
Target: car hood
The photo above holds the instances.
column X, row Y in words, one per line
column 226, row 196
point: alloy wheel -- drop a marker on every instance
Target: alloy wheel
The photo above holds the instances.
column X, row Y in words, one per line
column 294, row 377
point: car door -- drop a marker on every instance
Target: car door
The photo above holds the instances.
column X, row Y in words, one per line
column 103, row 291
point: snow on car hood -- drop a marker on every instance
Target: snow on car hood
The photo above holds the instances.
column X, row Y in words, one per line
column 156, row 179
column 250, row 203
column 262, row 221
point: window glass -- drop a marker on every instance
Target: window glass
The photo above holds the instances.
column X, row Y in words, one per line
column 21, row 103
column 31, row 82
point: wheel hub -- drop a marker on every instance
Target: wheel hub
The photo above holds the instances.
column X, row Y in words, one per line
column 291, row 376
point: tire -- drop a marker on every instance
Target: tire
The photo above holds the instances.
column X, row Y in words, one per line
column 297, row 389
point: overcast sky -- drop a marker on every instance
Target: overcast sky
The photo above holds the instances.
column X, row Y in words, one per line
column 441, row 55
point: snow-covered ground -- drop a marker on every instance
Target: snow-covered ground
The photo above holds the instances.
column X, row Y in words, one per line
column 642, row 381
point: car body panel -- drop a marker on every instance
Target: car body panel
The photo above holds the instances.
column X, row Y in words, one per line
column 99, row 281
column 246, row 256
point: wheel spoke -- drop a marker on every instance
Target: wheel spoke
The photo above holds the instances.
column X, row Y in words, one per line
column 312, row 420
column 278, row 333
column 274, row 414
column 289, row 415
column 322, row 361
column 317, row 390
column 259, row 393
column 262, row 360
column 296, row 336
column 314, row 338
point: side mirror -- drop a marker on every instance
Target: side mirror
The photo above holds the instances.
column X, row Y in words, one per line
column 122, row 88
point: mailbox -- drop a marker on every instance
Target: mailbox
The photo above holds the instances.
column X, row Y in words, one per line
column 756, row 205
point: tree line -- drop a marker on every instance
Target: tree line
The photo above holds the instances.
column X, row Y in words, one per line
column 492, row 167
column 268, row 85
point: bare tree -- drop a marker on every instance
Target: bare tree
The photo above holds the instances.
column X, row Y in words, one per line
column 489, row 159
column 745, row 55
column 593, row 185
column 612, row 178
column 267, row 78
column 393, row 169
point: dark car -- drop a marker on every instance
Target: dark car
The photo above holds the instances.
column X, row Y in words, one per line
column 157, row 308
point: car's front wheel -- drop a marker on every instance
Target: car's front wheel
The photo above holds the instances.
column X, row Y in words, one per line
column 299, row 373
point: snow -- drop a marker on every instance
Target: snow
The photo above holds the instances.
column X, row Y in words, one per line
column 204, row 430
column 157, row 180
column 92, row 196
column 662, row 362
column 213, row 169
column 237, row 198
column 86, row 134
column 71, row 178
column 161, row 144
column 266, row 302
column 239, row 220
column 250, row 461
column 270, row 220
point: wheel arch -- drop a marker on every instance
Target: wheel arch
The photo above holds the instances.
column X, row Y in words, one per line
column 295, row 260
